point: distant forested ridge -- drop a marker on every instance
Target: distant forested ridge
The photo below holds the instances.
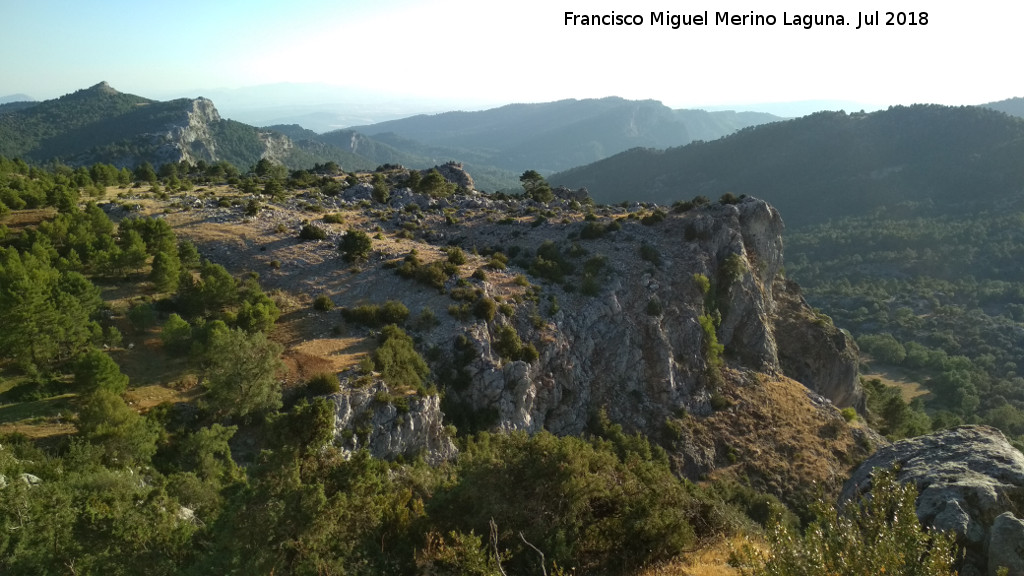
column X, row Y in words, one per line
column 829, row 164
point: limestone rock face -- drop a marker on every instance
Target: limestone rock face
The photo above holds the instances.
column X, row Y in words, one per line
column 966, row 479
column 814, row 351
column 636, row 348
column 1006, row 545
column 370, row 418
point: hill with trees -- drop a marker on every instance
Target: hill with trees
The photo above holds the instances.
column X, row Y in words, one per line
column 1011, row 106
column 101, row 125
column 830, row 164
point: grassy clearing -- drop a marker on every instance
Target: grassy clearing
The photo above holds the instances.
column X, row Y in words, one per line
column 908, row 384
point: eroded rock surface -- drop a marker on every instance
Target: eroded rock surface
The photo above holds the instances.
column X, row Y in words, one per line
column 967, row 478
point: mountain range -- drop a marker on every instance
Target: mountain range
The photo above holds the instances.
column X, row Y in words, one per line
column 101, row 124
column 829, row 164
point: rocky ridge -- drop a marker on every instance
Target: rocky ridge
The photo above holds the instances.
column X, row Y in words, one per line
column 627, row 340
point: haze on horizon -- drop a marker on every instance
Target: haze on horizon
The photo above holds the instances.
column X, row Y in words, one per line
column 458, row 54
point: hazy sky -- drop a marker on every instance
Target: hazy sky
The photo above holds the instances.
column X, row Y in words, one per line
column 513, row 52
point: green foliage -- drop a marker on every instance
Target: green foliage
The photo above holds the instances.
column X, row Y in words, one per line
column 176, row 335
column 323, row 303
column 355, row 246
column 166, row 271
column 456, row 256
column 649, row 253
column 96, row 370
column 310, row 232
column 375, row 316
column 581, row 503
column 536, row 187
column 456, row 554
column 883, row 347
column 435, row 185
column 397, row 360
column 703, row 284
column 215, row 290
column 485, row 308
column 550, row 263
column 240, row 375
column 879, row 534
column 380, row 193
column 655, row 307
column 711, row 350
column 890, row 414
column 323, row 384
column 435, row 274
column 126, row 438
column 509, row 346
column 46, row 312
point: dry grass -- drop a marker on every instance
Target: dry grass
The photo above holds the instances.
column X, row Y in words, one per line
column 775, row 437
column 18, row 220
column 709, row 560
column 909, row 387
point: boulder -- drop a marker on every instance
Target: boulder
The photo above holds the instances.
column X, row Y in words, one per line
column 966, row 479
column 1006, row 545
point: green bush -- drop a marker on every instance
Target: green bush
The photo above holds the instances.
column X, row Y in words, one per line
column 311, row 232
column 373, row 315
column 397, row 360
column 878, row 534
column 323, row 384
column 456, row 256
column 355, row 246
column 323, row 303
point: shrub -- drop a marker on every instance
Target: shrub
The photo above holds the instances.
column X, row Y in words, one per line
column 655, row 307
column 323, row 303
column 323, row 384
column 485, row 308
column 878, row 534
column 373, row 315
column 397, row 360
column 456, row 256
column 355, row 246
column 336, row 218
column 649, row 253
column 311, row 232
column 653, row 218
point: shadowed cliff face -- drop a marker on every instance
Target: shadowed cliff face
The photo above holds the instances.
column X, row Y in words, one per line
column 644, row 362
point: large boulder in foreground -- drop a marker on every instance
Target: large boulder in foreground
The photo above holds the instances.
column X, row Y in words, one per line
column 970, row 481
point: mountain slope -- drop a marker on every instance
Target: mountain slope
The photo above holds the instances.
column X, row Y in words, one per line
column 829, row 164
column 100, row 124
column 558, row 135
column 1011, row 106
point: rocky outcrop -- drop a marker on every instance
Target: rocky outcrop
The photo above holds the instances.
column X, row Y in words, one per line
column 967, row 479
column 188, row 138
column 812, row 350
column 456, row 174
column 389, row 426
column 637, row 350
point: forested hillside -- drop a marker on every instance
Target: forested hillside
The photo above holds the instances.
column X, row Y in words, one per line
column 831, row 164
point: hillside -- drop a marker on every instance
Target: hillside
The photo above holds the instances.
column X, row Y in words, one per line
column 555, row 136
column 830, row 164
column 589, row 365
column 100, row 124
column 1011, row 106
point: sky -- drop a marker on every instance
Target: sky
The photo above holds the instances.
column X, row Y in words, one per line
column 489, row 53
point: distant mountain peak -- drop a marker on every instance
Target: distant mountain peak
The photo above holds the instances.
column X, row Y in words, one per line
column 104, row 88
